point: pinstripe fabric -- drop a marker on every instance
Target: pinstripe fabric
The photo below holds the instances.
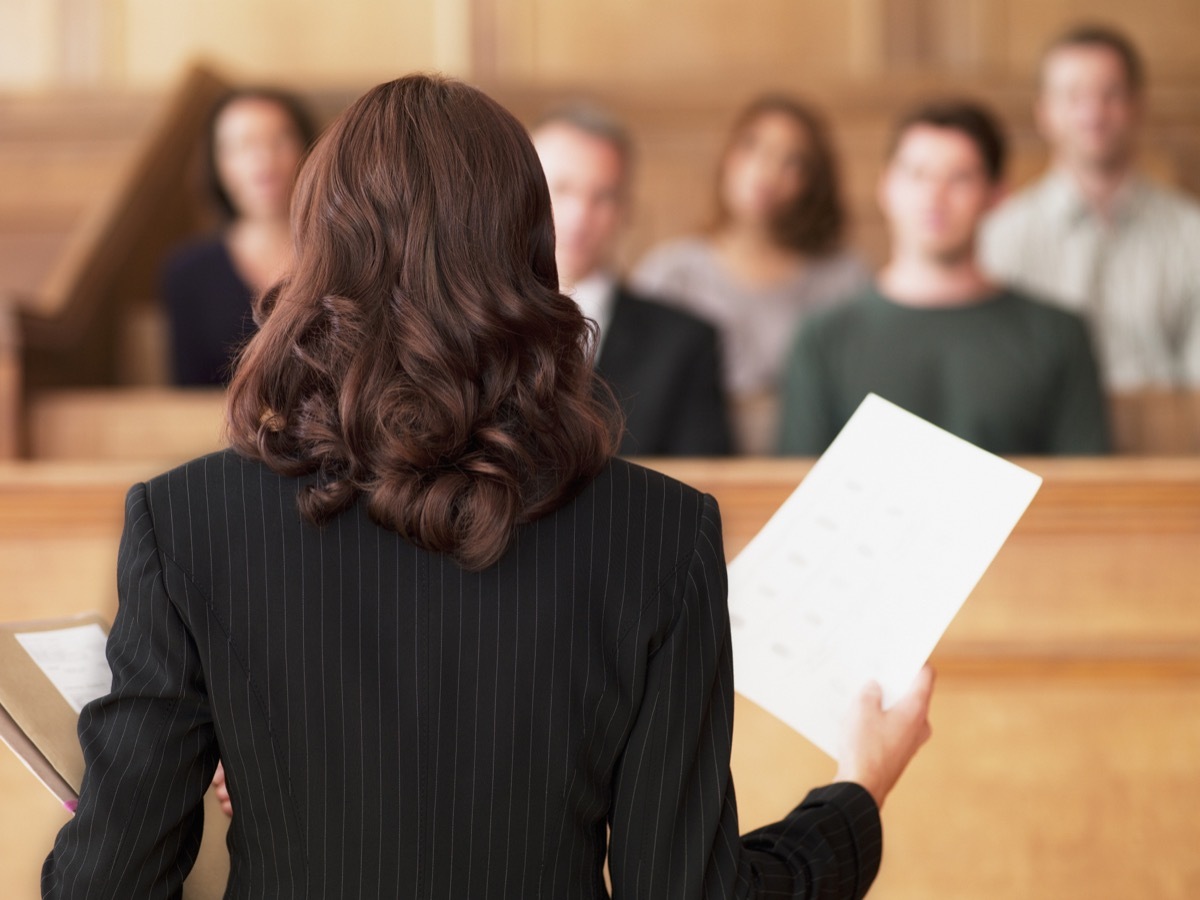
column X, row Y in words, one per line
column 394, row 726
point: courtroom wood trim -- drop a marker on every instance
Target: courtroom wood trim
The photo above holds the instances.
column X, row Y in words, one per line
column 1156, row 421
column 63, row 308
column 484, row 55
column 125, row 424
column 89, row 41
column 1088, row 659
column 1085, row 495
column 10, row 384
column 62, row 500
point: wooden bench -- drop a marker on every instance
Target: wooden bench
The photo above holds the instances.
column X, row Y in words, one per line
column 157, row 423
column 1064, row 762
column 125, row 424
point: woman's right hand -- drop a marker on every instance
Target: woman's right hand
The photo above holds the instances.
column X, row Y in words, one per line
column 879, row 743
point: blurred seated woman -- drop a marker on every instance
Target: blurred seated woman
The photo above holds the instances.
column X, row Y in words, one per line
column 447, row 645
column 774, row 254
column 256, row 140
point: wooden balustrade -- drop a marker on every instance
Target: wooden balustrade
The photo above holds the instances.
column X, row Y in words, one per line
column 157, row 424
column 1066, row 754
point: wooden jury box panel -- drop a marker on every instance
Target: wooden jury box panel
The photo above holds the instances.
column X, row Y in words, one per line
column 1065, row 754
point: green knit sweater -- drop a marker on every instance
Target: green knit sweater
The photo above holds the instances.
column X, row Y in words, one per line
column 1008, row 373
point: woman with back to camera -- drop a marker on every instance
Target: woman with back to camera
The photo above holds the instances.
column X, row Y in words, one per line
column 775, row 252
column 442, row 639
column 256, row 139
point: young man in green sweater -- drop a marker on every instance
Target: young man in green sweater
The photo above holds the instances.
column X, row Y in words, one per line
column 934, row 335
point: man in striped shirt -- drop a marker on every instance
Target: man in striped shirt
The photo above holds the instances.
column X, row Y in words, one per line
column 1093, row 234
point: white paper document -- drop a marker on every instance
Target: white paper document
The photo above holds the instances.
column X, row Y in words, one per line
column 73, row 659
column 861, row 570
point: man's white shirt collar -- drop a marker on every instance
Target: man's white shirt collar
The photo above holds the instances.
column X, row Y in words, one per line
column 596, row 295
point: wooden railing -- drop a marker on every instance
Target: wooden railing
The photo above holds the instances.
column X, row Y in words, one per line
column 1064, row 760
column 131, row 424
column 1158, row 422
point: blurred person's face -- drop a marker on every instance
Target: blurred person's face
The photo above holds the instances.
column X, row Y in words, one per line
column 1087, row 110
column 766, row 169
column 258, row 151
column 934, row 192
column 586, row 175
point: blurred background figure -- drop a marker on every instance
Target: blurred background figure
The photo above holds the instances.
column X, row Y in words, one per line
column 256, row 140
column 1096, row 236
column 774, row 253
column 661, row 363
column 935, row 335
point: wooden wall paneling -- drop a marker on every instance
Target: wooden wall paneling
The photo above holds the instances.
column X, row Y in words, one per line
column 673, row 42
column 142, row 43
column 11, row 383
column 125, row 424
column 1124, row 529
column 1156, row 421
column 1063, row 762
column 91, row 36
column 358, row 42
column 59, row 155
column 28, row 45
column 74, row 320
column 1034, row 786
column 103, row 241
column 1166, row 31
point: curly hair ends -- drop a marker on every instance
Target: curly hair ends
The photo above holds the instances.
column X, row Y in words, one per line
column 420, row 354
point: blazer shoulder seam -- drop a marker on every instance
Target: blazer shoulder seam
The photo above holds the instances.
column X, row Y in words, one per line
column 235, row 649
column 683, row 562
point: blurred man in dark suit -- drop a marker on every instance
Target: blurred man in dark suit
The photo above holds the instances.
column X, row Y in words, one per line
column 662, row 364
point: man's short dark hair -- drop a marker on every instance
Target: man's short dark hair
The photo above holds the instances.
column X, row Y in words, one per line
column 1102, row 36
column 967, row 117
column 594, row 121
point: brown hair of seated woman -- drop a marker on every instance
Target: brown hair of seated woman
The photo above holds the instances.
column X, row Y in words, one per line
column 814, row 223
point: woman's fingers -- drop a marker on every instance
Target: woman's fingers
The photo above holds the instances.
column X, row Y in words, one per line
column 880, row 743
column 221, row 789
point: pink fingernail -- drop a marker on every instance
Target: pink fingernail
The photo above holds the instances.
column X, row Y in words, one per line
column 71, row 805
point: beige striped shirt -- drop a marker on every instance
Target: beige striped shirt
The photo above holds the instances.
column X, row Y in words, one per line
column 1135, row 277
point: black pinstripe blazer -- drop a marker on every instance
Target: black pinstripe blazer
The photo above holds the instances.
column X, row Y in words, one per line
column 395, row 726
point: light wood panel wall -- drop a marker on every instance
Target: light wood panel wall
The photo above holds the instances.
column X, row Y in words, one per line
column 123, row 44
column 674, row 41
column 794, row 43
column 1166, row 31
column 143, row 43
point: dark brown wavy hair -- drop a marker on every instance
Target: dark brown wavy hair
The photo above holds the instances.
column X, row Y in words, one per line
column 419, row 354
column 815, row 222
